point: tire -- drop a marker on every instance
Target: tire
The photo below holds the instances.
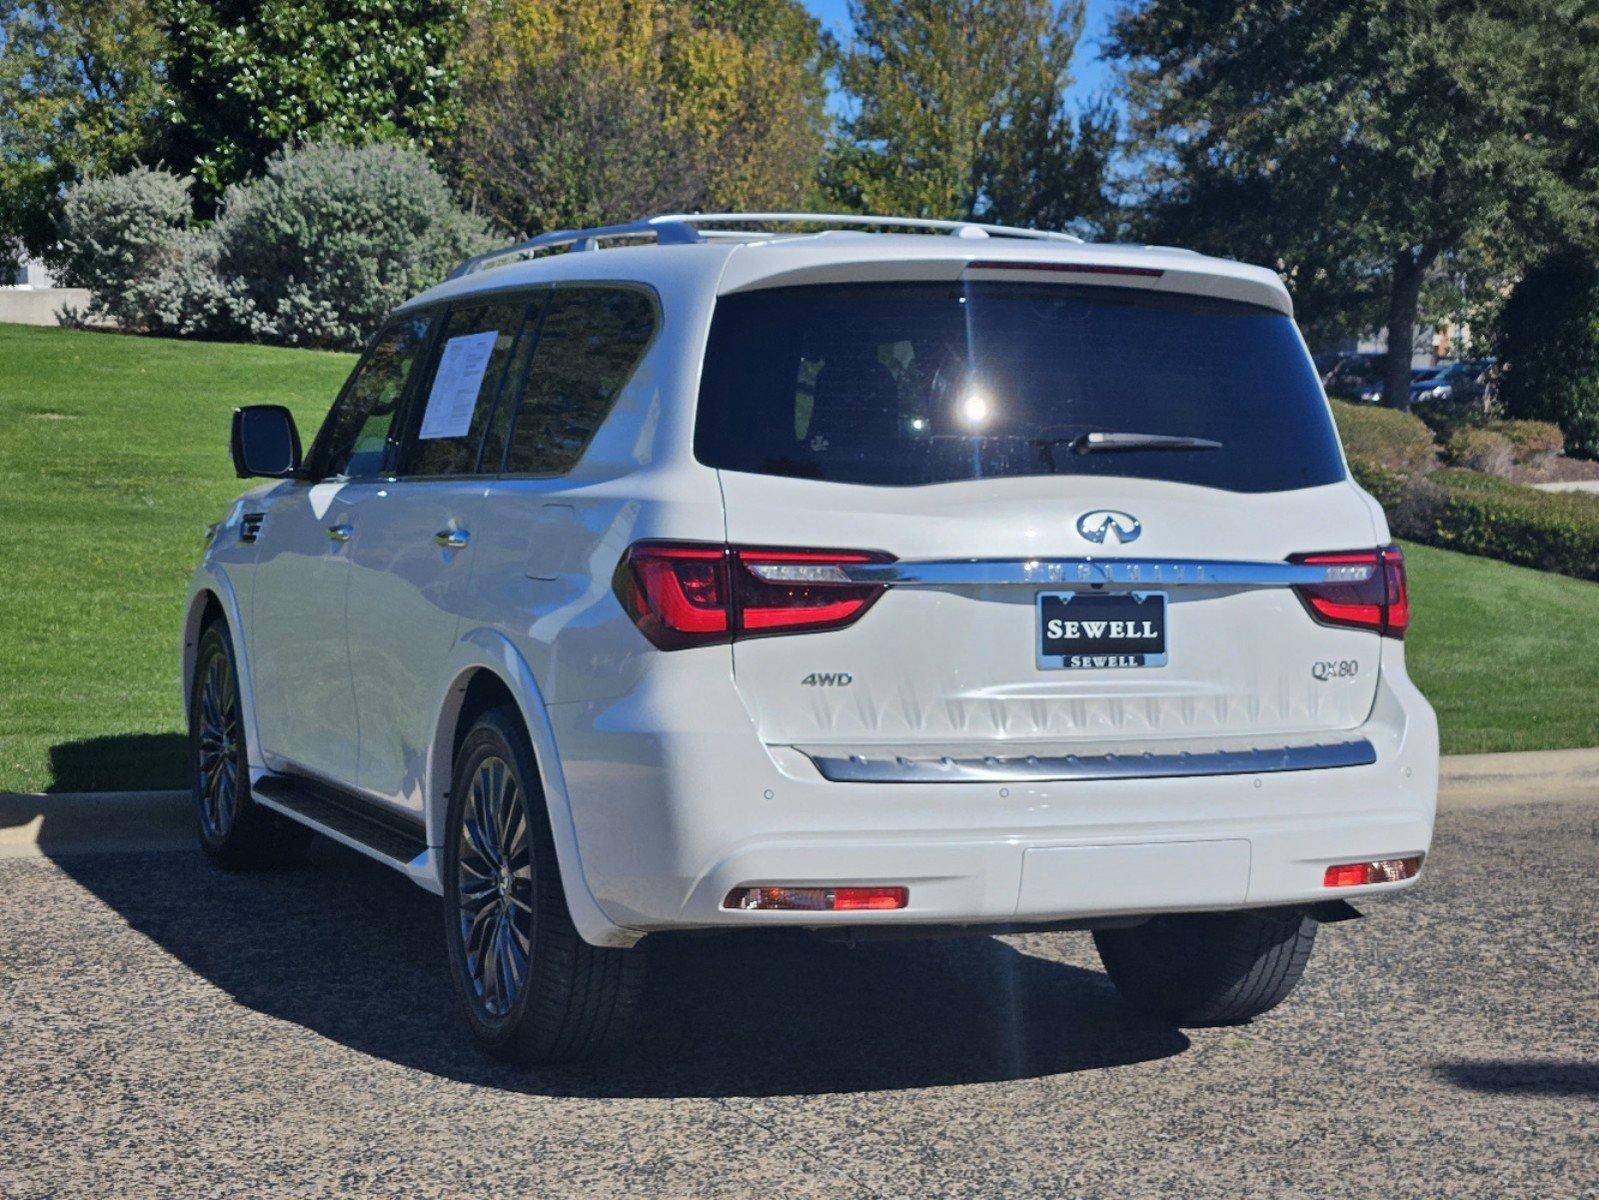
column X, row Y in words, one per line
column 534, row 992
column 235, row 832
column 1209, row 968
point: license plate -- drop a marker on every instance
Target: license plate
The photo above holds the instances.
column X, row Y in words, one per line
column 1098, row 630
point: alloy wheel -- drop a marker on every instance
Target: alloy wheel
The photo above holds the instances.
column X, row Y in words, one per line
column 219, row 748
column 494, row 894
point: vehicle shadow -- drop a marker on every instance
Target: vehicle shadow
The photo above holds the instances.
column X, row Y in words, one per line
column 1528, row 1078
column 119, row 762
column 353, row 952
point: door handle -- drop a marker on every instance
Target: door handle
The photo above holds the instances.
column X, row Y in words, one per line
column 452, row 539
column 341, row 533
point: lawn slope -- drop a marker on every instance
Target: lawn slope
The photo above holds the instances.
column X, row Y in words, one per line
column 113, row 459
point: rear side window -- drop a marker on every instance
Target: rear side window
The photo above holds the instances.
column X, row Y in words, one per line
column 589, row 344
column 903, row 384
column 463, row 387
column 355, row 438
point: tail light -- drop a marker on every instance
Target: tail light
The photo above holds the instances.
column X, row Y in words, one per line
column 683, row 594
column 1374, row 598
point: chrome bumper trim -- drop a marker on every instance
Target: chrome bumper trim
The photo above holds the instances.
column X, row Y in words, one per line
column 859, row 768
column 1101, row 572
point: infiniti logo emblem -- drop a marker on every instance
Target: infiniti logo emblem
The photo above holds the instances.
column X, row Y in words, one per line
column 1101, row 523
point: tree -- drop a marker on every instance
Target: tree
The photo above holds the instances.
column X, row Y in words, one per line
column 1549, row 341
column 251, row 76
column 587, row 113
column 81, row 94
column 1360, row 142
column 959, row 111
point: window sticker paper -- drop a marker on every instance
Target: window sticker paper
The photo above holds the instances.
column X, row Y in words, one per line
column 456, row 385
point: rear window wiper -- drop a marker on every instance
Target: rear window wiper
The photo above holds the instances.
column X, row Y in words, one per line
column 1109, row 443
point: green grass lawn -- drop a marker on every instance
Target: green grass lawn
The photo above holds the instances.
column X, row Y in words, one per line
column 113, row 459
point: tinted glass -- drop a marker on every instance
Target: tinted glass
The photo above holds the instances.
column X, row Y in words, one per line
column 355, row 438
column 589, row 343
column 464, row 383
column 918, row 383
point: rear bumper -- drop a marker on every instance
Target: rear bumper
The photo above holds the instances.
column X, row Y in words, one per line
column 675, row 805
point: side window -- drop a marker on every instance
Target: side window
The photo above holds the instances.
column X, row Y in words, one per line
column 590, row 342
column 355, row 438
column 464, row 385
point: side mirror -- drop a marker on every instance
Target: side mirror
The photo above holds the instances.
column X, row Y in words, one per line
column 265, row 442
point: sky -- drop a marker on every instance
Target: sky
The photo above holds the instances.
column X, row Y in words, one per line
column 1090, row 75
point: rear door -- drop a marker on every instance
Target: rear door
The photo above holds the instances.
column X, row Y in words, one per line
column 412, row 554
column 949, row 425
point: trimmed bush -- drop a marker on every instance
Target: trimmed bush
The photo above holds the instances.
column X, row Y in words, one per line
column 1531, row 440
column 1384, row 438
column 120, row 237
column 332, row 238
column 1477, row 514
column 1481, row 449
column 315, row 253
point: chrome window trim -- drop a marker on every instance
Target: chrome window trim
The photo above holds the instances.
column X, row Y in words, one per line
column 1101, row 572
column 861, row 768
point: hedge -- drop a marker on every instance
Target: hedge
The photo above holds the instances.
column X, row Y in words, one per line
column 1384, row 437
column 1478, row 514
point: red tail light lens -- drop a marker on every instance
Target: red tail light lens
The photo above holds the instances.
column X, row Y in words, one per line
column 818, row 899
column 1381, row 870
column 1373, row 596
column 684, row 594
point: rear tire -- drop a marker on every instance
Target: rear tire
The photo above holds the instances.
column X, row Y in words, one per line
column 533, row 990
column 1209, row 968
column 235, row 832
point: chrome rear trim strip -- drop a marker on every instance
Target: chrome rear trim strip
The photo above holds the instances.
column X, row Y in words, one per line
column 1100, row 572
column 860, row 768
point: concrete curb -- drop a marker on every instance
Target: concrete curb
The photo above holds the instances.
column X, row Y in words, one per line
column 105, row 822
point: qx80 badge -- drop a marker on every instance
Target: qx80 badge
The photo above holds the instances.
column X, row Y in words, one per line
column 1102, row 524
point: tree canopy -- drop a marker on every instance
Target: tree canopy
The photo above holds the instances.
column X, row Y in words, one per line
column 959, row 110
column 1353, row 144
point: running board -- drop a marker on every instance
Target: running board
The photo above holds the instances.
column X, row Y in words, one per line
column 349, row 819
column 1021, row 768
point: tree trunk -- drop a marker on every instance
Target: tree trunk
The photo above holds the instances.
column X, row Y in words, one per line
column 1404, row 298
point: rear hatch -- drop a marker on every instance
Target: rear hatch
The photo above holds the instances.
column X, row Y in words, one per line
column 1089, row 495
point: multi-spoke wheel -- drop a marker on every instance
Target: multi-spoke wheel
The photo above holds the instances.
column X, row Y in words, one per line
column 533, row 990
column 218, row 732
column 495, row 888
column 234, row 830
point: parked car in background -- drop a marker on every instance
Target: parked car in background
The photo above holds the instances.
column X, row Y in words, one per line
column 1353, row 376
column 864, row 582
column 1455, row 383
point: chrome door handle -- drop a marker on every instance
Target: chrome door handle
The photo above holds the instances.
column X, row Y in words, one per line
column 341, row 533
column 452, row 539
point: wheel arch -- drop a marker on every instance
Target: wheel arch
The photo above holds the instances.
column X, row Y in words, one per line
column 489, row 671
column 212, row 598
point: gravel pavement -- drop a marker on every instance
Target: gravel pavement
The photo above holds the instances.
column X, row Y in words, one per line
column 168, row 1030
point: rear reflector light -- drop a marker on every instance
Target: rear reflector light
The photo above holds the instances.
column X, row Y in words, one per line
column 816, row 899
column 1365, row 589
column 688, row 594
column 1381, row 870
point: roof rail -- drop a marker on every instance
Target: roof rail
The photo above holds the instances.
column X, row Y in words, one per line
column 676, row 229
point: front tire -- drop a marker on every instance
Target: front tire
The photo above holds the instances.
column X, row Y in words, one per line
column 235, row 832
column 533, row 990
column 1209, row 968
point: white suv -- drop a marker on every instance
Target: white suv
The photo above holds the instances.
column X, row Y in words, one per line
column 722, row 578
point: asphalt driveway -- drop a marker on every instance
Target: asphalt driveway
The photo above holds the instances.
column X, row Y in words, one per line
column 167, row 1030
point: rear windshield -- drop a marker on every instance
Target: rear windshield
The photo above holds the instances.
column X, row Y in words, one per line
column 900, row 384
